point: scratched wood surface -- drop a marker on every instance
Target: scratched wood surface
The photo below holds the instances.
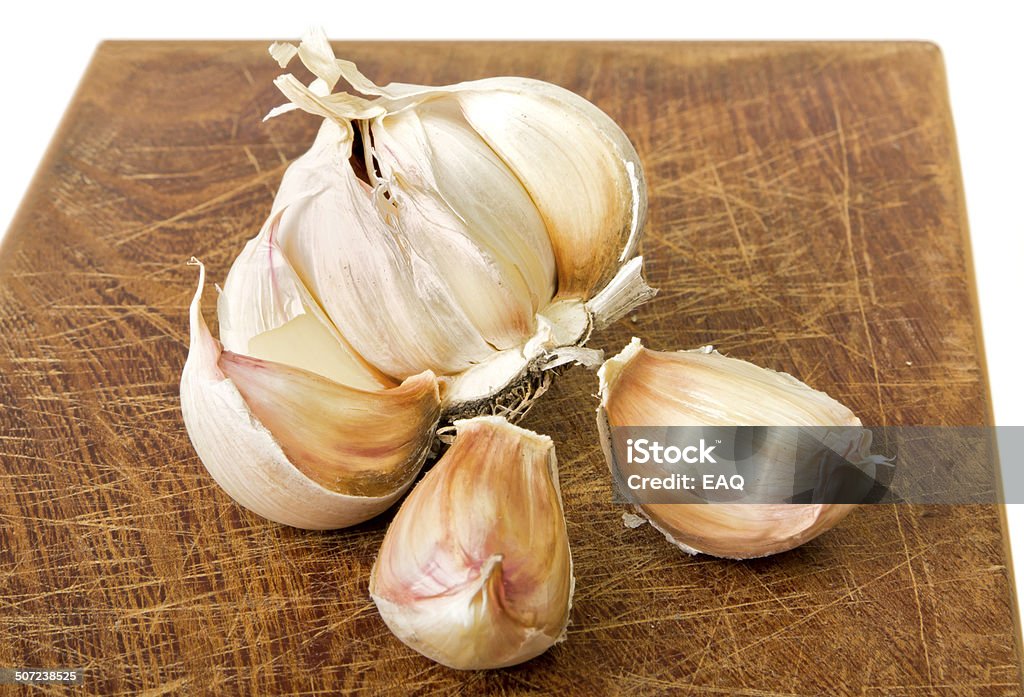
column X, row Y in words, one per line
column 806, row 213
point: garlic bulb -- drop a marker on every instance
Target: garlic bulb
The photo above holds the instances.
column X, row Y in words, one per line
column 435, row 254
column 478, row 230
column 284, row 438
column 640, row 387
column 475, row 570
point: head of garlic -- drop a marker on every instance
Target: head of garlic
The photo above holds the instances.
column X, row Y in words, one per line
column 434, row 255
column 475, row 570
column 641, row 387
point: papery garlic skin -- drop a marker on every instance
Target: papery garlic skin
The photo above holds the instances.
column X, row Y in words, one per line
column 475, row 570
column 344, row 475
column 375, row 441
column 641, row 387
column 490, row 216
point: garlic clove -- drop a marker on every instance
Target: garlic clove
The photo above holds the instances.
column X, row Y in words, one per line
column 475, row 570
column 250, row 459
column 497, row 211
column 266, row 311
column 578, row 167
column 640, row 387
column 492, row 295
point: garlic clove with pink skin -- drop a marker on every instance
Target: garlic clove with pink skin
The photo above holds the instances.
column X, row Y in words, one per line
column 475, row 570
column 641, row 387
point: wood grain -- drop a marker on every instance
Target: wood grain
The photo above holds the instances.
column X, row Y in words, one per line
column 806, row 213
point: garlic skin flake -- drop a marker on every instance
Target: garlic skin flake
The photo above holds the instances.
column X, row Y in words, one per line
column 475, row 230
column 641, row 387
column 296, row 447
column 475, row 570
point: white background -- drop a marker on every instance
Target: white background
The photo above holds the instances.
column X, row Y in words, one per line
column 47, row 46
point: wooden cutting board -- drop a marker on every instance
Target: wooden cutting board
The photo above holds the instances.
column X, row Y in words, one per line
column 806, row 213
